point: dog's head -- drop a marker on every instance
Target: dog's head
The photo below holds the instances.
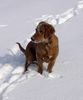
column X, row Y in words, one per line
column 43, row 32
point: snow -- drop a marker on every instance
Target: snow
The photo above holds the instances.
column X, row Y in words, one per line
column 66, row 81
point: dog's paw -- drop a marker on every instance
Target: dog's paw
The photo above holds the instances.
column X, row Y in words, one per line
column 51, row 75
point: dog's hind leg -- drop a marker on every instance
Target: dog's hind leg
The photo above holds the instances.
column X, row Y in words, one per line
column 26, row 67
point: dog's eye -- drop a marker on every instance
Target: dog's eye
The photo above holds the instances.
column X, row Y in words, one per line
column 41, row 31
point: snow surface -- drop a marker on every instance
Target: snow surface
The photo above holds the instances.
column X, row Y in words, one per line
column 19, row 17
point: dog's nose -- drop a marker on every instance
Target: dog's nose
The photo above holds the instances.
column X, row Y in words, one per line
column 32, row 38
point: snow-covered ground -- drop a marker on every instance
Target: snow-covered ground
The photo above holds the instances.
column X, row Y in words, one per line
column 18, row 19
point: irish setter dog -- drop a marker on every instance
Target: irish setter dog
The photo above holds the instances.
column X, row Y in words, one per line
column 43, row 47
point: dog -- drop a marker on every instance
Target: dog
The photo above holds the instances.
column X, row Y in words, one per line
column 43, row 47
column 47, row 47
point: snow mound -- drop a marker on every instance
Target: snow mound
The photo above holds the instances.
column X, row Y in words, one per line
column 3, row 26
column 51, row 75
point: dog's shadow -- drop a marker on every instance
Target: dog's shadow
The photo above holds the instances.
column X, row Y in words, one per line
column 13, row 60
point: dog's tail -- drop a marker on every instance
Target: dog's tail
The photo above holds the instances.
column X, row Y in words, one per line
column 21, row 48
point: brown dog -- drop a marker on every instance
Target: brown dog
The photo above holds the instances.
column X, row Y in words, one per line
column 47, row 45
column 42, row 48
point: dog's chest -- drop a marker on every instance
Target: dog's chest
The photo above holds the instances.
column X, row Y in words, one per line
column 45, row 52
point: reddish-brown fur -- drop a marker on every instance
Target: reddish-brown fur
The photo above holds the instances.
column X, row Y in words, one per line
column 47, row 45
column 43, row 47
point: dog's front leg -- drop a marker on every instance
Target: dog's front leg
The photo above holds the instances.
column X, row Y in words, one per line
column 50, row 66
column 40, row 67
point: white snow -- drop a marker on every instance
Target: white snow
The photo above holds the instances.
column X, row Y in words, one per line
column 2, row 26
column 66, row 80
column 62, row 18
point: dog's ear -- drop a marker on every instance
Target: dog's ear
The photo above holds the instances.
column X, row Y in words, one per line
column 49, row 30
